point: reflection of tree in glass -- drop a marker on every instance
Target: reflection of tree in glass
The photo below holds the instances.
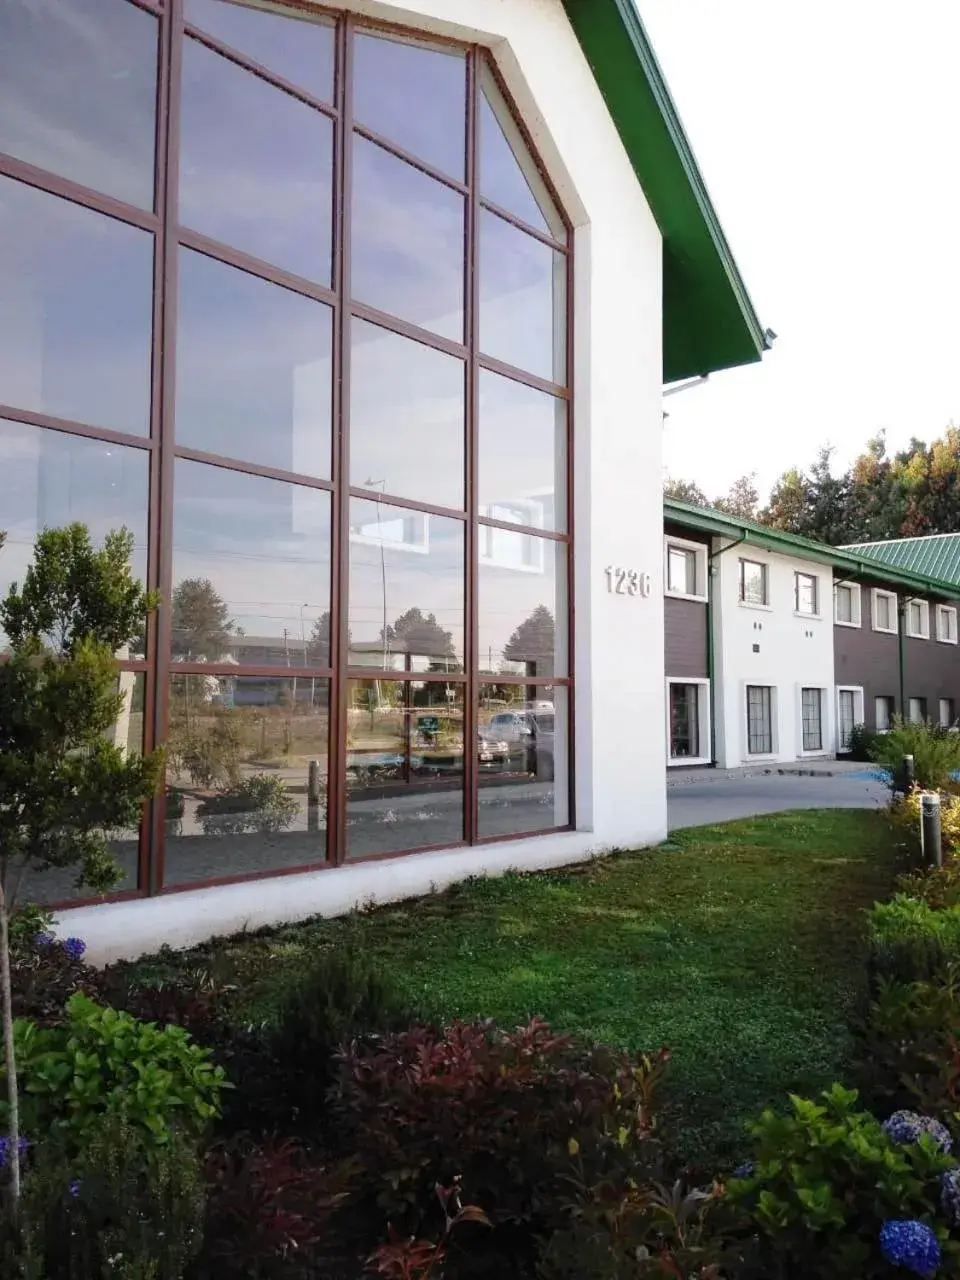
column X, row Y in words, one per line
column 419, row 633
column 533, row 642
column 318, row 645
column 200, row 619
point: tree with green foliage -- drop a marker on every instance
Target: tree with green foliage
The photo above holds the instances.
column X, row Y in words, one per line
column 420, row 634
column 741, row 499
column 685, row 491
column 64, row 784
column 533, row 643
column 200, row 621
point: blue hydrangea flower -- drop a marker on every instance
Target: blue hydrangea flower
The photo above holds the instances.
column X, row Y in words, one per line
column 22, row 1145
column 912, row 1245
column 75, row 947
column 74, row 1187
column 950, row 1195
column 904, row 1127
column 43, row 940
column 746, row 1170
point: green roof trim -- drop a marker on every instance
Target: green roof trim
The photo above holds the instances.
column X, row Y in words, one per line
column 851, row 561
column 937, row 555
column 709, row 322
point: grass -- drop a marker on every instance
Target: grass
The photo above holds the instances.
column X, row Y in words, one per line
column 741, row 947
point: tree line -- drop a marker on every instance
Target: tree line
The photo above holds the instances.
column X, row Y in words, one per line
column 910, row 493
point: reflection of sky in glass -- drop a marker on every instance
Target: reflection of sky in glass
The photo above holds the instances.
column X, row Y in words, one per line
column 299, row 51
column 509, row 175
column 78, row 92
column 406, row 418
column 264, row 544
column 522, row 299
column 49, row 479
column 414, row 97
column 517, row 573
column 253, row 368
column 76, row 291
column 402, row 560
column 256, row 165
column 407, row 242
column 522, row 453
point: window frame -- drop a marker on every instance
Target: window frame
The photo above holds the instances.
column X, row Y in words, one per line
column 764, row 568
column 160, row 445
column 773, row 711
column 824, row 721
column 924, row 707
column 858, row 711
column 704, row 722
column 946, row 611
column 951, row 719
column 700, row 553
column 890, row 706
column 924, row 632
column 815, row 579
column 876, row 594
column 856, row 611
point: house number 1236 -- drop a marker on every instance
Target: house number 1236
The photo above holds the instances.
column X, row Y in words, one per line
column 627, row 582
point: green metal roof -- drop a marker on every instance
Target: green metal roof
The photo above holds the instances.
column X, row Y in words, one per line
column 937, row 555
column 851, row 561
column 709, row 322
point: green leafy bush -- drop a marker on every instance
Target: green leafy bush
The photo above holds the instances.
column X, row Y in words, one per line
column 910, row 941
column 935, row 751
column 824, row 1180
column 120, row 1206
column 514, row 1115
column 103, row 1063
column 259, row 803
column 908, row 1054
column 861, row 743
column 938, row 887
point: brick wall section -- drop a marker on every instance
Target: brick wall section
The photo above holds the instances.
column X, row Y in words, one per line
column 871, row 659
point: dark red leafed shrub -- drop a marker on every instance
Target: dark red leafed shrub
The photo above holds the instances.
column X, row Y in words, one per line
column 508, row 1113
column 44, row 976
column 409, row 1259
column 269, row 1208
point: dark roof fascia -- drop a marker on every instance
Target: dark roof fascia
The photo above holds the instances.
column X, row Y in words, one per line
column 707, row 520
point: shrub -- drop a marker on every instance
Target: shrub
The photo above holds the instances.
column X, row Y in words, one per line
column 259, row 803
column 103, row 1063
column 904, row 811
column 935, row 751
column 119, row 1207
column 909, row 941
column 938, row 887
column 513, row 1114
column 45, row 972
column 269, row 1207
column 860, row 743
column 909, row 1047
column 826, row 1178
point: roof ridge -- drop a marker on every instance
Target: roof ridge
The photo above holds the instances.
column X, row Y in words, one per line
column 888, row 542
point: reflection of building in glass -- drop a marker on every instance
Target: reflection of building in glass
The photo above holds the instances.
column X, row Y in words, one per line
column 323, row 372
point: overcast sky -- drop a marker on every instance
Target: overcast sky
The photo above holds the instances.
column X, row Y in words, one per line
column 828, row 135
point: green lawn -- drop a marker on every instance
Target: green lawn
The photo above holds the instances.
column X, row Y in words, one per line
column 740, row 948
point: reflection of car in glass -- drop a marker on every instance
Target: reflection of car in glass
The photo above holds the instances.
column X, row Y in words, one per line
column 529, row 735
column 492, row 751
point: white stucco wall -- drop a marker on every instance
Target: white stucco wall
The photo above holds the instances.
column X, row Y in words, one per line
column 618, row 642
column 794, row 652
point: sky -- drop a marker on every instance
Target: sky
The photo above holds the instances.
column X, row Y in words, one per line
column 827, row 135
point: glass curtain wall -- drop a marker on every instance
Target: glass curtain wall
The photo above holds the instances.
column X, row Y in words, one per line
column 288, row 297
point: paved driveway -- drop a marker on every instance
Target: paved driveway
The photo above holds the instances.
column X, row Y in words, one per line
column 696, row 800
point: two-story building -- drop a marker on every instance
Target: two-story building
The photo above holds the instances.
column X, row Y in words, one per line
column 777, row 646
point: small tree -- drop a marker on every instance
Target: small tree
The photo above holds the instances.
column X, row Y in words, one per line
column 63, row 785
column 534, row 642
column 200, row 620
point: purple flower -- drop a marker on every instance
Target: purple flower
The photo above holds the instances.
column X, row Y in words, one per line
column 745, row 1170
column 950, row 1195
column 43, row 940
column 912, row 1245
column 74, row 1187
column 75, row 947
column 22, row 1145
column 904, row 1127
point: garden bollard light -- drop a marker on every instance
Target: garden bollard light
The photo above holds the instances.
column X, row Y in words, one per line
column 909, row 773
column 931, row 838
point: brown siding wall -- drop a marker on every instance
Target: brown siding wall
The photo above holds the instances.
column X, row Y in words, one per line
column 871, row 658
column 685, row 637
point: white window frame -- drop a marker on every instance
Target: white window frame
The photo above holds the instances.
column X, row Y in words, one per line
column 817, row 600
column 946, row 611
column 887, row 698
column 924, row 632
column 702, row 568
column 948, row 722
column 747, row 755
column 926, row 710
column 755, row 604
column 825, row 727
column 703, row 725
column 892, row 597
column 857, row 691
column 856, row 604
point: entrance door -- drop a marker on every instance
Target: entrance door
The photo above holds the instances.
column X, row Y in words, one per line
column 847, row 718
